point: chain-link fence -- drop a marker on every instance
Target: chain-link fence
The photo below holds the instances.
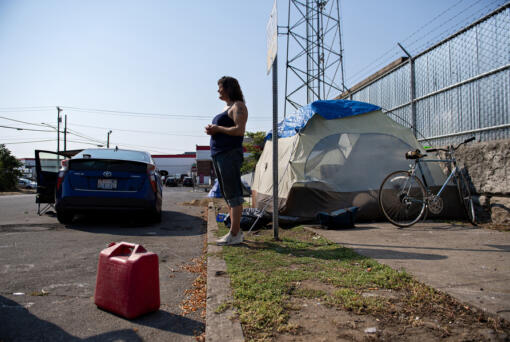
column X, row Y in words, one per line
column 458, row 88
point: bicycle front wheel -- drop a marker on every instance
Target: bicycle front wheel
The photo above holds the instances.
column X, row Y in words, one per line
column 465, row 197
column 402, row 198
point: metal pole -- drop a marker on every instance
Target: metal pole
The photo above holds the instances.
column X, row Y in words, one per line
column 413, row 89
column 275, row 147
column 65, row 132
column 58, row 136
column 108, row 139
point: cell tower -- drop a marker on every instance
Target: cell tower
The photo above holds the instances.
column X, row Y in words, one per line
column 314, row 69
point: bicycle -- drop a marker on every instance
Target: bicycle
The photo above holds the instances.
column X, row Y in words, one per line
column 404, row 199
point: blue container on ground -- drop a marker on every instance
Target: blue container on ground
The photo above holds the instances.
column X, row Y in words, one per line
column 341, row 218
column 220, row 217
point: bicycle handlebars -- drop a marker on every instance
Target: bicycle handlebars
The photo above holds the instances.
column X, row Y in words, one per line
column 446, row 150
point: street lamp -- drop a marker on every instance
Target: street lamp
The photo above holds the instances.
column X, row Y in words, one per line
column 108, row 139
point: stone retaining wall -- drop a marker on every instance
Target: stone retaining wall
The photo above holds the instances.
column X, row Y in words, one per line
column 487, row 165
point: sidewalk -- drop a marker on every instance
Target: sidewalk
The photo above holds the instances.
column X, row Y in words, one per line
column 469, row 263
column 221, row 324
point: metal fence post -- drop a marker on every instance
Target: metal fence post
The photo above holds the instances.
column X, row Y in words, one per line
column 412, row 88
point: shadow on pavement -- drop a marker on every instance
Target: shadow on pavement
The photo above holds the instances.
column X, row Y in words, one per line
column 355, row 228
column 502, row 248
column 378, row 253
column 173, row 223
column 171, row 322
column 497, row 248
column 18, row 324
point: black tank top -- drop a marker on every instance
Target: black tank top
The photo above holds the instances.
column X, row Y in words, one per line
column 223, row 142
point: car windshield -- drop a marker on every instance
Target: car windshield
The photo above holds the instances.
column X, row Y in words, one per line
column 107, row 165
column 138, row 156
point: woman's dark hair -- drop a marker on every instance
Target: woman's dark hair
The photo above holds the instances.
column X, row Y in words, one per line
column 232, row 88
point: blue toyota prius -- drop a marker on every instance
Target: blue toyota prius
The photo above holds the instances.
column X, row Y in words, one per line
column 98, row 180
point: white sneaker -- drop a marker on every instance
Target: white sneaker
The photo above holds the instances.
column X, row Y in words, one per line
column 224, row 238
column 230, row 239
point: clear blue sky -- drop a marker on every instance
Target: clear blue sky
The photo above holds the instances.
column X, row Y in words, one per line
column 165, row 57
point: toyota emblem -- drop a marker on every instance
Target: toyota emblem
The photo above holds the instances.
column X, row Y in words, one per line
column 107, row 174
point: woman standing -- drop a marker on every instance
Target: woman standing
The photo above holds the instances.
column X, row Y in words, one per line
column 227, row 132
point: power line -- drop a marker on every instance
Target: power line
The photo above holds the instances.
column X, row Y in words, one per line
column 153, row 148
column 81, row 135
column 84, row 142
column 449, row 20
column 26, row 142
column 456, row 27
column 145, row 114
column 27, row 109
column 431, row 21
column 27, row 123
column 140, row 131
column 25, row 129
column 123, row 113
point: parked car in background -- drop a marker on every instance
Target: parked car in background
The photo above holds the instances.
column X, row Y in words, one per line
column 171, row 181
column 103, row 179
column 26, row 183
column 187, row 181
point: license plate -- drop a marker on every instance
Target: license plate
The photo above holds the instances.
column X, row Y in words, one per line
column 107, row 184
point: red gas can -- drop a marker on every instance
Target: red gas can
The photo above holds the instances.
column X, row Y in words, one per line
column 127, row 280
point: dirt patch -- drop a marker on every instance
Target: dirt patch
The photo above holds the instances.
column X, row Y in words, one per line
column 316, row 285
column 389, row 294
column 313, row 319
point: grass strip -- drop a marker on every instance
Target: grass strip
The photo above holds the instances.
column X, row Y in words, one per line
column 267, row 276
column 266, row 273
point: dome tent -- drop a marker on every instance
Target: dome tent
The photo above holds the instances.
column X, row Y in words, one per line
column 334, row 154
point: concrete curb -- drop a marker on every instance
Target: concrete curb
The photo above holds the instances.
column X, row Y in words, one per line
column 219, row 326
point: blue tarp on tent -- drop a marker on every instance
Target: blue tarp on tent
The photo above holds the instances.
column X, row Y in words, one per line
column 215, row 191
column 328, row 109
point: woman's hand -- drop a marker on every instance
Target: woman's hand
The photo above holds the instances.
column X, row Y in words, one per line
column 211, row 129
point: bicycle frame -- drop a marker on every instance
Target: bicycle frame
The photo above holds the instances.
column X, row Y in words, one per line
column 452, row 173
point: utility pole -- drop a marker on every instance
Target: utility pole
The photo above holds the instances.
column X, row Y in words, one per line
column 65, row 132
column 108, row 139
column 59, row 119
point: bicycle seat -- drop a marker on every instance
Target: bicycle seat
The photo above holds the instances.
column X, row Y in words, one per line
column 414, row 154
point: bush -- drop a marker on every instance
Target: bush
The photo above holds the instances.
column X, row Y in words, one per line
column 9, row 169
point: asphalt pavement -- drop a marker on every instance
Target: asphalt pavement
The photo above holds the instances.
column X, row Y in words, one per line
column 48, row 272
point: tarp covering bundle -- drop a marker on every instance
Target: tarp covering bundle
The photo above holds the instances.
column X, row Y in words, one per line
column 251, row 218
column 215, row 191
column 334, row 154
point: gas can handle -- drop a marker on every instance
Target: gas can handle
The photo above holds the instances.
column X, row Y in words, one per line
column 133, row 249
column 137, row 249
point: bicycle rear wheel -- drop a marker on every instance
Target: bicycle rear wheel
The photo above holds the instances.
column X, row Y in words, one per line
column 465, row 197
column 402, row 198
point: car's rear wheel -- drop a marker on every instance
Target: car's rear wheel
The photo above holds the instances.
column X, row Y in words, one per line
column 64, row 216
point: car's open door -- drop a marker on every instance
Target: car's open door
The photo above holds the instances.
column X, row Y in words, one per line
column 47, row 164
